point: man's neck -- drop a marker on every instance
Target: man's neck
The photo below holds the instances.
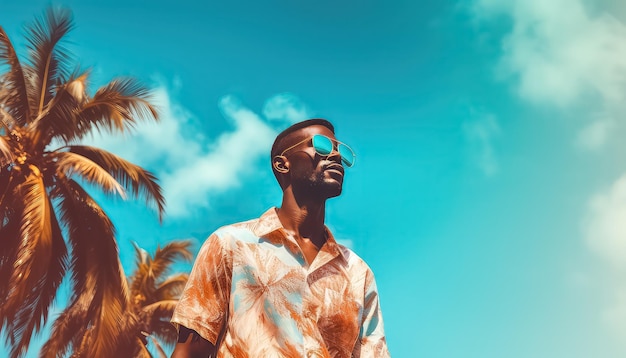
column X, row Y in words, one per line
column 304, row 220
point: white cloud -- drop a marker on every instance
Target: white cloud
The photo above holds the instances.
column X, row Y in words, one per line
column 192, row 167
column 156, row 143
column 605, row 234
column 605, row 227
column 480, row 132
column 222, row 164
column 571, row 54
column 596, row 134
column 559, row 51
column 615, row 314
column 286, row 107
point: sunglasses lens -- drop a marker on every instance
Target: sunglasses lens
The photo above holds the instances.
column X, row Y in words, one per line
column 347, row 155
column 323, row 145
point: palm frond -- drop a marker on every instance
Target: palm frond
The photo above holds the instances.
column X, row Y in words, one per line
column 69, row 164
column 69, row 328
column 9, row 244
column 140, row 181
column 116, row 107
column 109, row 313
column 6, row 154
column 141, row 255
column 6, row 119
column 165, row 331
column 37, row 262
column 139, row 283
column 95, row 266
column 30, row 318
column 7, row 185
column 48, row 58
column 34, row 250
column 58, row 120
column 154, row 298
column 157, row 346
column 73, row 331
column 15, row 86
column 77, row 85
column 145, row 281
column 81, row 343
column 164, row 257
column 139, row 287
column 159, row 310
column 142, row 350
column 134, row 342
column 172, row 287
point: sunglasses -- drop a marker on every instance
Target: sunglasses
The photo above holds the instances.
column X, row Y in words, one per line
column 324, row 146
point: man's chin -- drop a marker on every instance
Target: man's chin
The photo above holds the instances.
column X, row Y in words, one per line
column 333, row 190
column 322, row 189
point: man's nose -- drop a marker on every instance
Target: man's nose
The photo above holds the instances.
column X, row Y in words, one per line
column 335, row 156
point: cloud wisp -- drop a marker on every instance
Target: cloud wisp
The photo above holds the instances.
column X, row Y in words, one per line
column 605, row 234
column 286, row 107
column 191, row 166
column 605, row 228
column 480, row 132
column 595, row 135
column 561, row 53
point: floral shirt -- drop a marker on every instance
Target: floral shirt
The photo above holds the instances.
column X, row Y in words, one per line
column 252, row 294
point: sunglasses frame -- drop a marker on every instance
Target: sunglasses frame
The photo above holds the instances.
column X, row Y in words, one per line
column 335, row 148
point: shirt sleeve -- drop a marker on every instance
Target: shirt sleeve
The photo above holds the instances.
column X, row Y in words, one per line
column 203, row 304
column 371, row 342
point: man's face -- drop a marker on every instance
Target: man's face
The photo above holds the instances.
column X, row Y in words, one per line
column 312, row 174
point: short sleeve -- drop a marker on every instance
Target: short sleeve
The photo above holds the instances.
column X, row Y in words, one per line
column 371, row 342
column 203, row 304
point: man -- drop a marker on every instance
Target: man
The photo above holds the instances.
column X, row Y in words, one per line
column 280, row 285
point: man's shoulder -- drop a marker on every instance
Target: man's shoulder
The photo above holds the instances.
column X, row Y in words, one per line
column 247, row 224
column 353, row 259
column 243, row 230
column 259, row 226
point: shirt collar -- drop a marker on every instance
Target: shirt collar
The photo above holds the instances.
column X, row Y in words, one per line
column 269, row 223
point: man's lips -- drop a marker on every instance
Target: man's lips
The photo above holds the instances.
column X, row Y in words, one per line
column 337, row 168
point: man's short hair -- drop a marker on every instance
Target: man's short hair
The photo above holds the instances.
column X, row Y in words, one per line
column 280, row 143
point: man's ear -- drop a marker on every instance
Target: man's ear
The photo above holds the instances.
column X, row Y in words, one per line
column 280, row 164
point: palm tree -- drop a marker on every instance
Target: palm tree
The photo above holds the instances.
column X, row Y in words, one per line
column 50, row 226
column 153, row 295
column 150, row 305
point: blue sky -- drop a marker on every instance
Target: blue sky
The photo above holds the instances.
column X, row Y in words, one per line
column 489, row 193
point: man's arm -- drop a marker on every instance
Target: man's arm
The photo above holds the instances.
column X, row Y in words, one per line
column 372, row 342
column 201, row 309
column 191, row 345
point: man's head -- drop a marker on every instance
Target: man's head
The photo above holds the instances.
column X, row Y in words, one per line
column 305, row 157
